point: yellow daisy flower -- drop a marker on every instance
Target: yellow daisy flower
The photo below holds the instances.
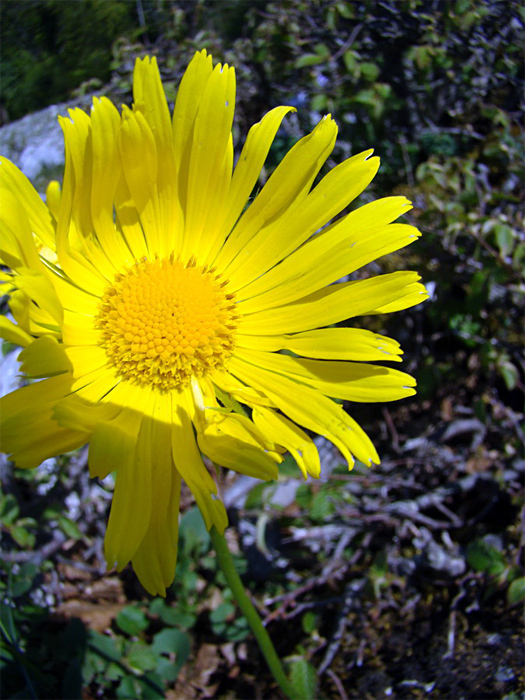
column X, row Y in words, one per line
column 155, row 304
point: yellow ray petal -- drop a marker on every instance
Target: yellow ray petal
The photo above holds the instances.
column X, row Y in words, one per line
column 17, row 244
column 336, row 303
column 77, row 413
column 335, row 191
column 150, row 100
column 209, row 172
column 155, row 559
column 233, row 441
column 53, row 197
column 189, row 463
column 132, row 503
column 44, row 357
column 139, row 159
column 14, row 181
column 78, row 329
column 85, row 359
column 13, row 333
column 328, row 344
column 38, row 287
column 311, row 409
column 247, row 170
column 106, row 167
column 295, row 440
column 286, row 188
column 353, row 381
column 127, row 221
column 189, row 95
column 27, row 429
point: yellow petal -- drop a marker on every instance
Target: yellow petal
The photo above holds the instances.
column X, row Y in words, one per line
column 328, row 344
column 353, row 381
column 106, row 167
column 84, row 359
column 17, row 244
column 233, row 441
column 335, row 191
column 78, row 329
column 53, row 196
column 77, row 413
column 14, row 181
column 131, row 454
column 44, row 357
column 139, row 159
column 309, row 408
column 209, row 172
column 283, row 193
column 338, row 253
column 189, row 463
column 155, row 559
column 27, row 429
column 39, row 288
column 13, row 333
column 189, row 95
column 150, row 99
column 336, row 303
column 248, row 169
column 295, row 440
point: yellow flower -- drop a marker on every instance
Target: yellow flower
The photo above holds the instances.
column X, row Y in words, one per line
column 155, row 304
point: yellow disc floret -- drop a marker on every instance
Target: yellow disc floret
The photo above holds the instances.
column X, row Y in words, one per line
column 163, row 322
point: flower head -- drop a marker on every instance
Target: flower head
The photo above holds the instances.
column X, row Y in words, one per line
column 155, row 304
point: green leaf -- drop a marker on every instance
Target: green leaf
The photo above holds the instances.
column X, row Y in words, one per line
column 23, row 581
column 22, row 537
column 309, row 59
column 173, row 642
column 309, row 622
column 321, row 507
column 504, row 239
column 103, row 646
column 114, row 672
column 254, row 499
column 516, row 591
column 482, row 556
column 345, row 9
column 175, row 617
column 304, row 679
column 319, row 102
column 9, row 509
column 128, row 688
column 141, row 656
column 132, row 620
column 369, row 71
column 222, row 612
column 194, row 534
column 151, row 686
column 69, row 527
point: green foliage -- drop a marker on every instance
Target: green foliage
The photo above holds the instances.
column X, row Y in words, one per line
column 501, row 574
column 224, row 623
column 437, row 94
column 303, row 677
column 49, row 47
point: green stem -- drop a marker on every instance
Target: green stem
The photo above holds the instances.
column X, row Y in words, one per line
column 233, row 579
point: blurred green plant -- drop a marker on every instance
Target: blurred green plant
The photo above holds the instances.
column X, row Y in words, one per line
column 502, row 575
column 49, row 47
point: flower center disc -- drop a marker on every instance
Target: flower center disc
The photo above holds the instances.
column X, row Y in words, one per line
column 162, row 323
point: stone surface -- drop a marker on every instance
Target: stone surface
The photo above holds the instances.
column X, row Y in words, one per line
column 35, row 142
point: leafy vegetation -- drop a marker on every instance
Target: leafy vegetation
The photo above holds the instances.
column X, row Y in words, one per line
column 407, row 580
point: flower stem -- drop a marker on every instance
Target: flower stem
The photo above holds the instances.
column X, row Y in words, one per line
column 233, row 579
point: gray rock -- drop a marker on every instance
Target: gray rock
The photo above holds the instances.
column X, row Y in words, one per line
column 35, row 142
